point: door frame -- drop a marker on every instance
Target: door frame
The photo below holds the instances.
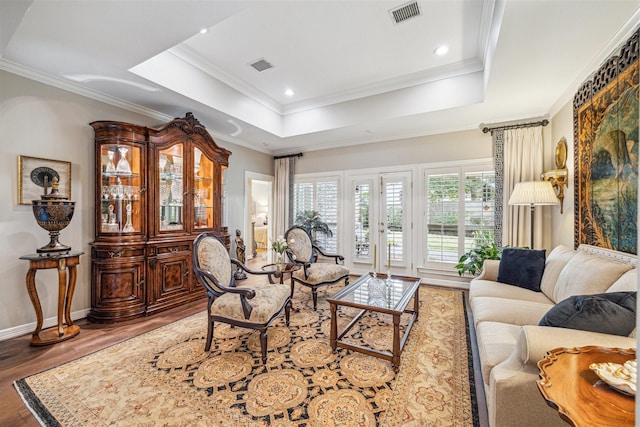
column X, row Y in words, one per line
column 364, row 265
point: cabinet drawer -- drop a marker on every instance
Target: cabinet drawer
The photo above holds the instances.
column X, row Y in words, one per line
column 118, row 252
column 172, row 249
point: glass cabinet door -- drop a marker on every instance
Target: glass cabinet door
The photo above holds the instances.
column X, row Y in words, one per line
column 121, row 206
column 203, row 190
column 171, row 188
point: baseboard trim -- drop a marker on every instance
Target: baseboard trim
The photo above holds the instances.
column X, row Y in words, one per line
column 28, row 328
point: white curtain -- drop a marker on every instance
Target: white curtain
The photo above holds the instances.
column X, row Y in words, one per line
column 283, row 172
column 522, row 162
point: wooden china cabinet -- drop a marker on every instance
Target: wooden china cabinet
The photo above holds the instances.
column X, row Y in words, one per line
column 156, row 190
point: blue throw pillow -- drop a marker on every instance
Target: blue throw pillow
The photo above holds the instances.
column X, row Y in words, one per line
column 611, row 313
column 522, row 267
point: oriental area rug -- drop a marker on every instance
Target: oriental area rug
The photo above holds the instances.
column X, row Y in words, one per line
column 164, row 377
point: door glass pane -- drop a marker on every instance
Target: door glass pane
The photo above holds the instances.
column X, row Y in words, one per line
column 171, row 188
column 362, row 202
column 394, row 206
column 121, row 204
column 203, row 200
column 442, row 217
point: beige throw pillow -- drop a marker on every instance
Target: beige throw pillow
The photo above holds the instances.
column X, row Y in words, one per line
column 556, row 261
column 587, row 274
column 627, row 282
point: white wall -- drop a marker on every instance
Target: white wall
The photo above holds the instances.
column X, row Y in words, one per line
column 561, row 224
column 465, row 145
column 42, row 121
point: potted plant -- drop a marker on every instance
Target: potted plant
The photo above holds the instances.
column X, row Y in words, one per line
column 472, row 261
column 311, row 222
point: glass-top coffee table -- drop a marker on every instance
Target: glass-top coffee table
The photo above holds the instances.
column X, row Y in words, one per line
column 391, row 299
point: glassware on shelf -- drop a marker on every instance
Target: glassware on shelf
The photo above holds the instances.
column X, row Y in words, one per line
column 176, row 191
column 128, row 226
column 165, row 193
column 162, row 162
column 197, row 155
column 120, row 189
column 110, row 166
column 123, row 166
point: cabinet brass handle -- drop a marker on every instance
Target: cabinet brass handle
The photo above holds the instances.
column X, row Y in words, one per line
column 115, row 254
column 140, row 283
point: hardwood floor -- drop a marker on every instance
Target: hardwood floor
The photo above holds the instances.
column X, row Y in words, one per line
column 18, row 359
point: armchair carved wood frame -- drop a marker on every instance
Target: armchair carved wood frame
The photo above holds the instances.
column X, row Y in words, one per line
column 253, row 307
column 313, row 274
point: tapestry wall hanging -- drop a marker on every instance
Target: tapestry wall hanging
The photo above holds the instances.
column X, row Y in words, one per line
column 605, row 123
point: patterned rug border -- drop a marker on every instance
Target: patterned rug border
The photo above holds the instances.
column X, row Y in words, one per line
column 472, row 379
column 45, row 418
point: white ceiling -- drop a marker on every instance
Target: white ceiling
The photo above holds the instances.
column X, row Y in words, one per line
column 358, row 77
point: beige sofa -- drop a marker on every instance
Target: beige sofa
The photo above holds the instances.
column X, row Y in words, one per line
column 509, row 341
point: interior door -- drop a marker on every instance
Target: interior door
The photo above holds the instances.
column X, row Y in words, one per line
column 380, row 216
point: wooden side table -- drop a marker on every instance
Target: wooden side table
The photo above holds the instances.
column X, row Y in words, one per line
column 581, row 398
column 62, row 262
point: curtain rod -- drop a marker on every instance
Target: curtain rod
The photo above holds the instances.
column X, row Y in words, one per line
column 515, row 126
column 286, row 156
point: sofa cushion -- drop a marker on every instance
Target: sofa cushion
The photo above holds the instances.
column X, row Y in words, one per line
column 505, row 310
column 522, row 267
column 610, row 313
column 556, row 261
column 627, row 282
column 489, row 288
column 496, row 342
column 587, row 274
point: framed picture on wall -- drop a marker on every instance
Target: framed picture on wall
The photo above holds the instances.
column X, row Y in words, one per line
column 35, row 173
column 606, row 153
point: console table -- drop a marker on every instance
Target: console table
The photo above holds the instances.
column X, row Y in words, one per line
column 62, row 262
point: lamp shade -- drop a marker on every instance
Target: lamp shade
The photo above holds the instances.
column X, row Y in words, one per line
column 533, row 193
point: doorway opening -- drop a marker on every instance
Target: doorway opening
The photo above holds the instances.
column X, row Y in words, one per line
column 259, row 207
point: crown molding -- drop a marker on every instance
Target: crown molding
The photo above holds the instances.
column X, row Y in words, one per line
column 59, row 83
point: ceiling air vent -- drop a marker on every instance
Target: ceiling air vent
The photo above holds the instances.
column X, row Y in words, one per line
column 404, row 12
column 261, row 65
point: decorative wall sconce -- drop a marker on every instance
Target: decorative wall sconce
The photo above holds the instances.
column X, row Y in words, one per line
column 559, row 177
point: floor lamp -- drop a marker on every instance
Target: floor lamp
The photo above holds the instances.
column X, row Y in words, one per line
column 532, row 193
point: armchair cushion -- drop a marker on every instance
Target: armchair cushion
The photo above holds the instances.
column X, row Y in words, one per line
column 522, row 267
column 610, row 313
column 319, row 273
column 269, row 299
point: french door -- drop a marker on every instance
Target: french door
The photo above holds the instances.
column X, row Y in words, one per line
column 380, row 217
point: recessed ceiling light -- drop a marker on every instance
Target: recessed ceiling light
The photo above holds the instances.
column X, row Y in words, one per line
column 204, row 30
column 289, row 92
column 441, row 50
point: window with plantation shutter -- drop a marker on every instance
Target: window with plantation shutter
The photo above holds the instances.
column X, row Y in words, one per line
column 320, row 195
column 459, row 207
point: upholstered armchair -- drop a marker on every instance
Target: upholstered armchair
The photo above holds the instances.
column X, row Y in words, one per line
column 313, row 274
column 250, row 306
